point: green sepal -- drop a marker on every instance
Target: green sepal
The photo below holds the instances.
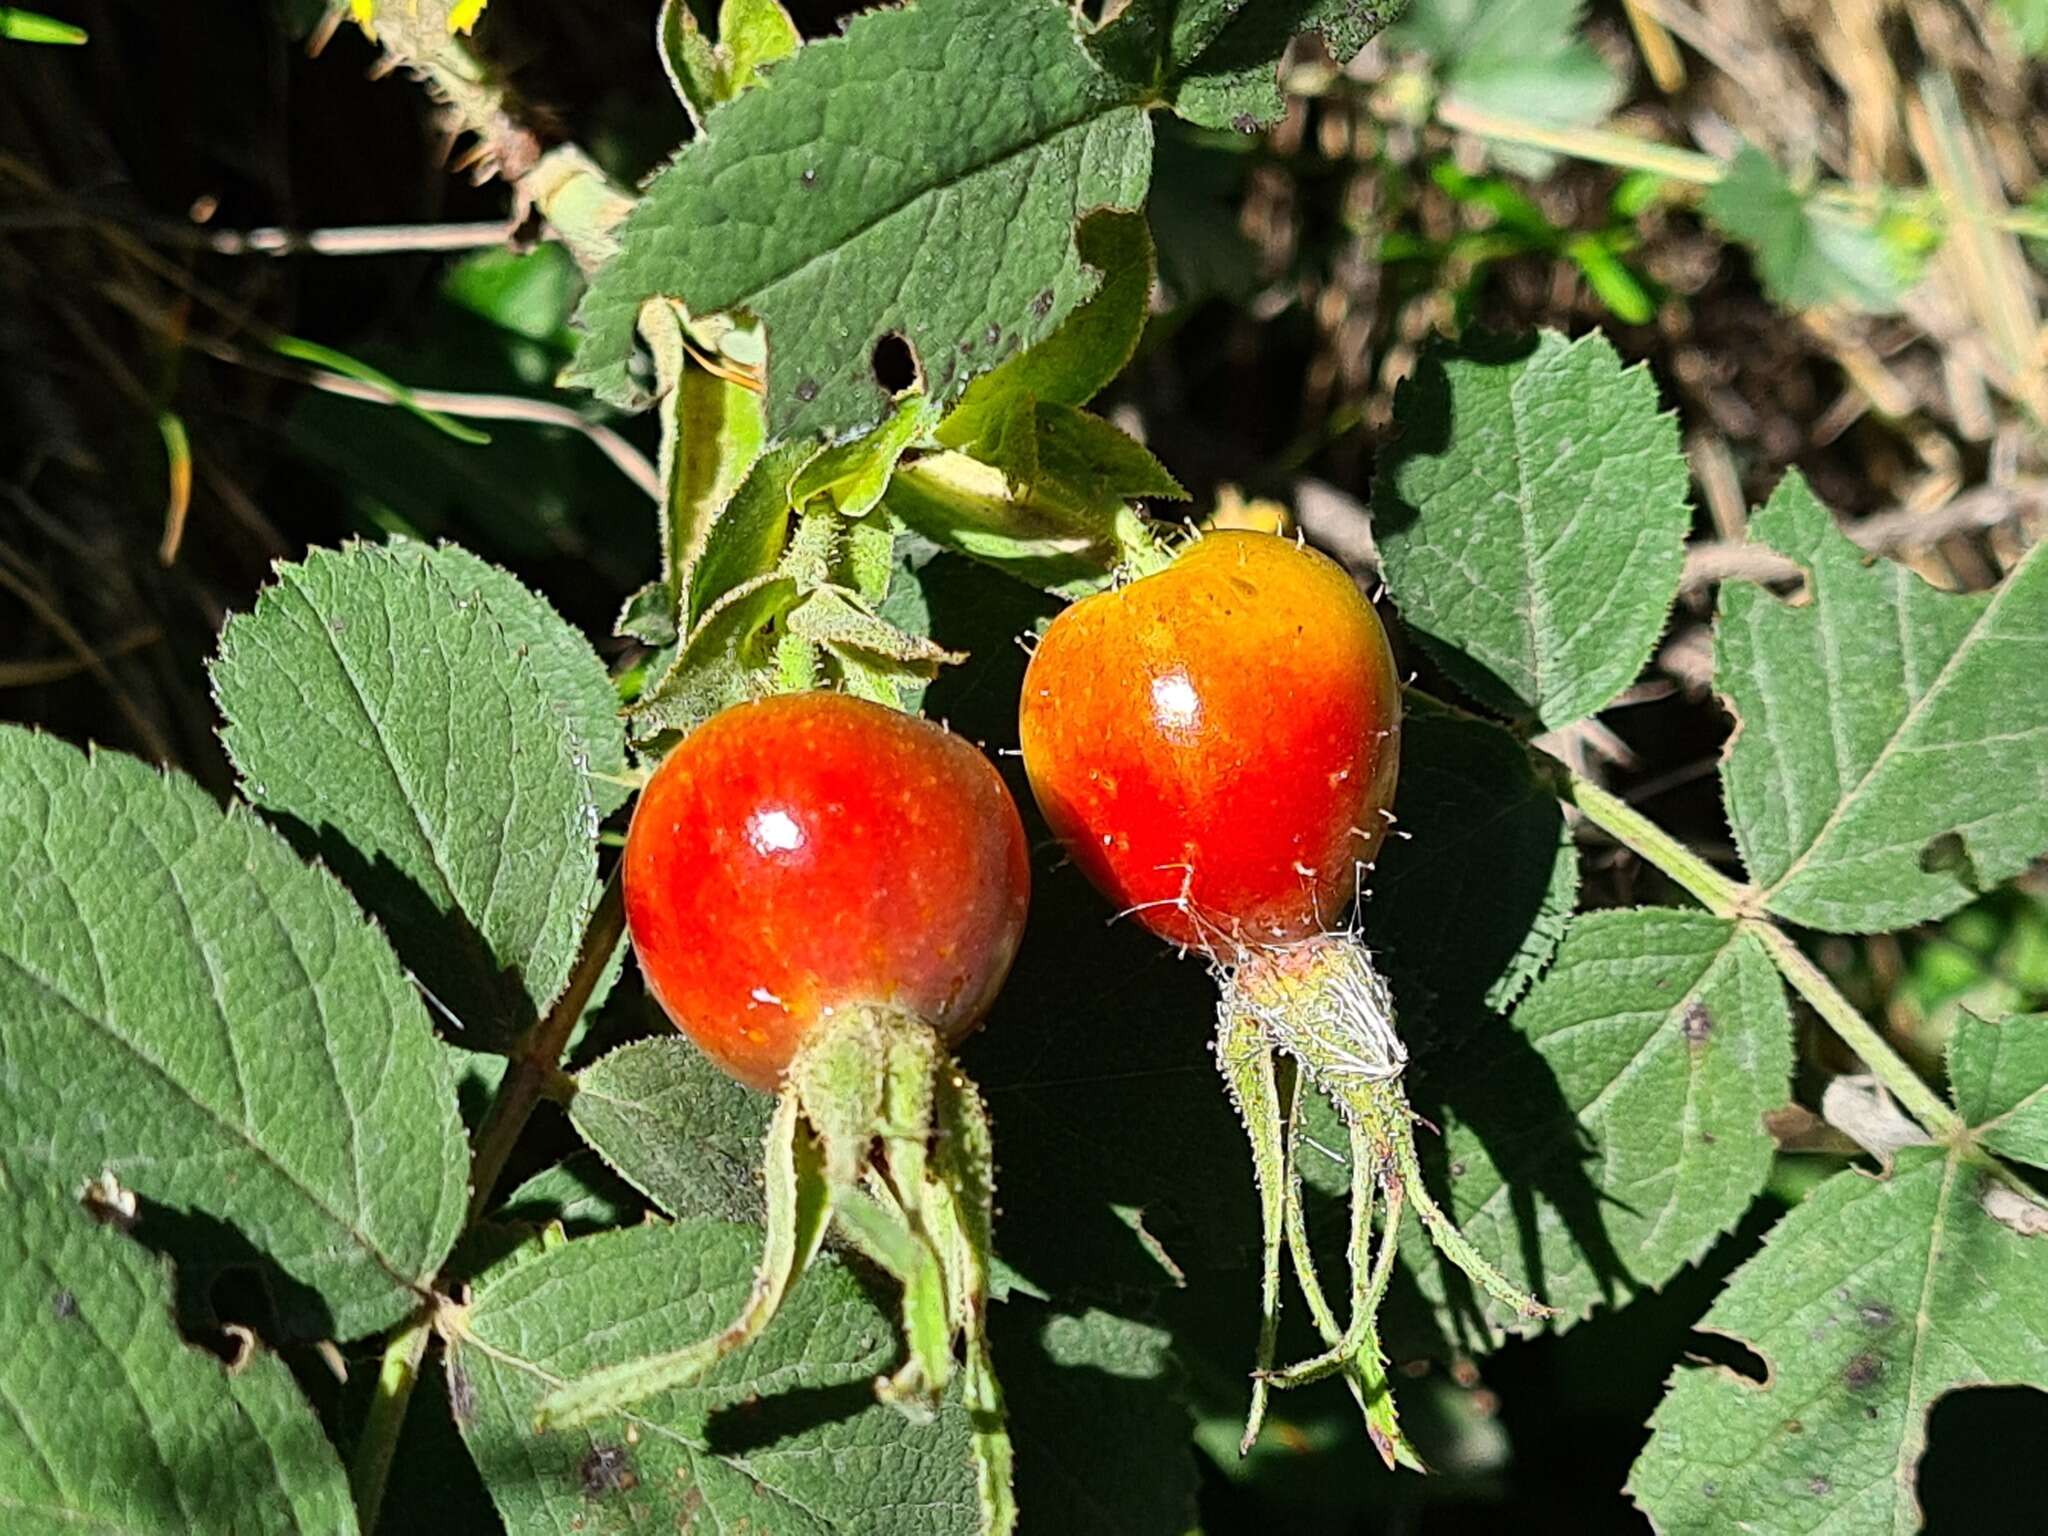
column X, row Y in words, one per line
column 799, row 1207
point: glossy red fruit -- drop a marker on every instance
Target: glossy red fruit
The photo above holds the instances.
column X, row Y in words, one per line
column 810, row 852
column 1215, row 743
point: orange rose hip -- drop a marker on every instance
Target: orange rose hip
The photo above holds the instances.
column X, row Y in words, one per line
column 1216, row 743
column 812, row 852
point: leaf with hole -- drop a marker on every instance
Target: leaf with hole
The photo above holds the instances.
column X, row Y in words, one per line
column 115, row 1422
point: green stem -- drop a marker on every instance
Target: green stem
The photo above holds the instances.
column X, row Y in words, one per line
column 525, row 1083
column 534, row 1067
column 1886, row 1065
column 1725, row 898
column 1640, row 835
column 397, row 1373
column 1602, row 146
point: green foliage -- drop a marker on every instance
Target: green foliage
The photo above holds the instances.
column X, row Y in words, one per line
column 1522, row 58
column 181, row 995
column 751, row 34
column 1870, row 1300
column 21, row 26
column 1808, row 253
column 462, row 815
column 1999, row 1075
column 786, row 1435
column 115, row 1423
column 1532, row 516
column 679, row 1130
column 1889, row 764
column 1003, row 149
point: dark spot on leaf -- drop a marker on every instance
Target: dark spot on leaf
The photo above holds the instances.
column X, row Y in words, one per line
column 1862, row 1373
column 807, row 390
column 894, row 362
column 992, row 335
column 1041, row 306
column 808, row 180
column 966, row 345
column 1794, row 1427
column 608, row 1469
column 1875, row 1314
column 461, row 1393
column 1244, row 122
column 64, row 1305
column 1696, row 1023
column 1820, row 1487
column 1710, row 1490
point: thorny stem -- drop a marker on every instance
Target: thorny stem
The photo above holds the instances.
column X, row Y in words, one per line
column 1724, row 898
column 526, row 1082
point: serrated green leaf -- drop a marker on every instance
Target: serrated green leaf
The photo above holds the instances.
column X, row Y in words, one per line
column 676, row 1128
column 1999, row 1076
column 1891, row 758
column 900, row 168
column 830, row 619
column 581, row 1192
column 1613, row 1129
column 1476, row 882
column 114, row 1422
column 185, row 1004
column 393, row 720
column 1091, row 346
column 1232, row 81
column 1081, row 458
column 1531, row 516
column 1521, row 58
column 1871, row 1299
column 1806, row 254
column 786, row 1435
column 570, row 675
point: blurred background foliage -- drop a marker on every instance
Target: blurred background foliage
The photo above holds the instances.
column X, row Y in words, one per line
column 1821, row 223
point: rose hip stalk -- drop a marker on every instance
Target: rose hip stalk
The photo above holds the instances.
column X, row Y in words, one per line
column 1217, row 745
column 824, row 895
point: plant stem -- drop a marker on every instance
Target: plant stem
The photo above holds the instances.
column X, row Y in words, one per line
column 397, row 1373
column 1725, row 898
column 1604, row 147
column 1640, row 835
column 1886, row 1065
column 534, row 1069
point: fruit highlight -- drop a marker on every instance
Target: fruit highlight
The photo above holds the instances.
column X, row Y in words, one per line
column 824, row 894
column 1217, row 745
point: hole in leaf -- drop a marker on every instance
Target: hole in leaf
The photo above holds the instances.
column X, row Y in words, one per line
column 1948, row 855
column 1718, row 1349
column 895, row 363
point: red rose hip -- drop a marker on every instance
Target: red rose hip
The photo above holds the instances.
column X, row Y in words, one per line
column 1216, row 743
column 813, row 852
